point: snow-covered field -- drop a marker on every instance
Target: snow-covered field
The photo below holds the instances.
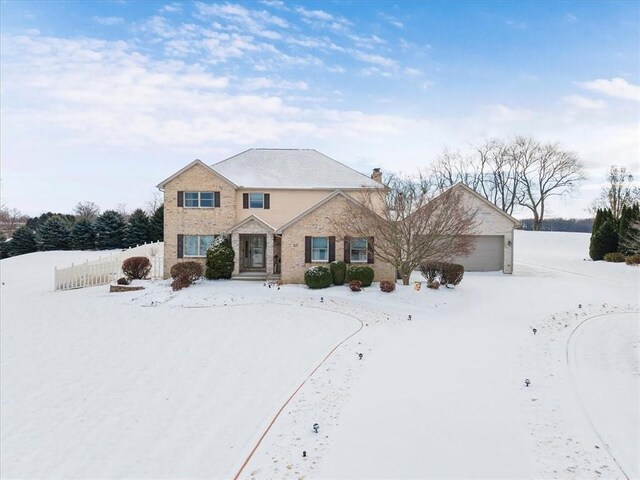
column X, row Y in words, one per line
column 162, row 384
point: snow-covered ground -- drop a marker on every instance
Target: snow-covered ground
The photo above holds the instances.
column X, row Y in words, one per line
column 162, row 384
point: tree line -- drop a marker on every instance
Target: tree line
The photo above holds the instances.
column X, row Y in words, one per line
column 86, row 229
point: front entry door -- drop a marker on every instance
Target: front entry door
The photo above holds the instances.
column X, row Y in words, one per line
column 254, row 252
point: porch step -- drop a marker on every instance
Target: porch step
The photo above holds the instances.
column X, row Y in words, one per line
column 254, row 276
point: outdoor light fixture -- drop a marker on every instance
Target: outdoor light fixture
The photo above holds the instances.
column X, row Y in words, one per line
column 527, row 382
column 360, row 355
column 321, row 299
column 316, row 427
column 304, row 453
column 508, row 243
column 409, row 317
column 535, row 330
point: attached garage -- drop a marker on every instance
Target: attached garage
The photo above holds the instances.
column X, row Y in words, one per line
column 487, row 255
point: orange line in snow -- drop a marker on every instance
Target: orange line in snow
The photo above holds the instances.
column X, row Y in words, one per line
column 237, row 476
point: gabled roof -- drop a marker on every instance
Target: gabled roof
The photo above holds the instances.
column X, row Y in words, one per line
column 275, row 168
column 187, row 167
column 462, row 186
column 250, row 219
column 328, row 198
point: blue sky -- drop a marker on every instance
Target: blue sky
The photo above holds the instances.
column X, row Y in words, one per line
column 102, row 100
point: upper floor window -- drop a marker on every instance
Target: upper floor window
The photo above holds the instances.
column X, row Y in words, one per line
column 256, row 200
column 200, row 199
column 358, row 249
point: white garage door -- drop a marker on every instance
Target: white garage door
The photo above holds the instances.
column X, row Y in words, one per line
column 487, row 256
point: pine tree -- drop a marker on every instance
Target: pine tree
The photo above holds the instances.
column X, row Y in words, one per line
column 156, row 225
column 593, row 242
column 138, row 230
column 628, row 230
column 4, row 246
column 83, row 235
column 22, row 241
column 111, row 230
column 54, row 234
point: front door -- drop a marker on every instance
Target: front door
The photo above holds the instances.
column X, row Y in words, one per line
column 254, row 252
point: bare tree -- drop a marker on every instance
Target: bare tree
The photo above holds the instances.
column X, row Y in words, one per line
column 86, row 211
column 453, row 167
column 545, row 170
column 154, row 202
column 11, row 220
column 620, row 191
column 411, row 225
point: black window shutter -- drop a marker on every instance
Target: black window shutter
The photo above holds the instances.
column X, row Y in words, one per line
column 347, row 249
column 180, row 246
column 307, row 249
column 332, row 249
column 245, row 200
column 216, row 199
column 370, row 250
column 180, row 199
column 267, row 200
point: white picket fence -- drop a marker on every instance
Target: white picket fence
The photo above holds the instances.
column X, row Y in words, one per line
column 105, row 270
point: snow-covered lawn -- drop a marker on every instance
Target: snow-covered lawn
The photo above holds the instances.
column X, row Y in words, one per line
column 162, row 384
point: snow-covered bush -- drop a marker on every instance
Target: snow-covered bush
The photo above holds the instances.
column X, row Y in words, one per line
column 317, row 277
column 180, row 282
column 433, row 284
column 135, row 268
column 362, row 273
column 193, row 270
column 220, row 256
column 338, row 271
column 123, row 281
column 387, row 286
column 355, row 285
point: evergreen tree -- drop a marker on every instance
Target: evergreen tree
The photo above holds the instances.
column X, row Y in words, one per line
column 220, row 257
column 23, row 241
column 36, row 222
column 111, row 230
column 628, row 230
column 594, row 247
column 138, row 230
column 83, row 235
column 156, row 225
column 605, row 240
column 4, row 246
column 54, row 234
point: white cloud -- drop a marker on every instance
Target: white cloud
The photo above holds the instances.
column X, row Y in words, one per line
column 412, row 72
column 571, row 18
column 374, row 59
column 264, row 83
column 392, row 20
column 315, row 14
column 584, row 102
column 171, row 8
column 616, row 88
column 108, row 21
column 500, row 113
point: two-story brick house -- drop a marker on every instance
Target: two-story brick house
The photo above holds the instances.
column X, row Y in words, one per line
column 277, row 207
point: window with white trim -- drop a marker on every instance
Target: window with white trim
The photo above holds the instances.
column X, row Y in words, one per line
column 320, row 249
column 197, row 245
column 198, row 199
column 256, row 200
column 358, row 250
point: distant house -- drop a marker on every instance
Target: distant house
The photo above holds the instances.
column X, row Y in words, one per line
column 278, row 206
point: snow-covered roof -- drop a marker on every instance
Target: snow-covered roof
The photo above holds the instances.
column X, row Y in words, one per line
column 290, row 168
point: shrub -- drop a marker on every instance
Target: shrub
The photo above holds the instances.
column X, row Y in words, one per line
column 355, row 285
column 452, row 274
column 317, row 277
column 614, row 257
column 633, row 259
column 220, row 256
column 338, row 271
column 362, row 273
column 387, row 286
column 431, row 271
column 180, row 282
column 123, row 281
column 193, row 270
column 136, row 267
column 433, row 284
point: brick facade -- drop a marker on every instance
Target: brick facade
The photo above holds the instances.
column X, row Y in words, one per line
column 318, row 224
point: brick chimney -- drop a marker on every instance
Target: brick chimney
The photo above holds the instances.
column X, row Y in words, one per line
column 376, row 175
